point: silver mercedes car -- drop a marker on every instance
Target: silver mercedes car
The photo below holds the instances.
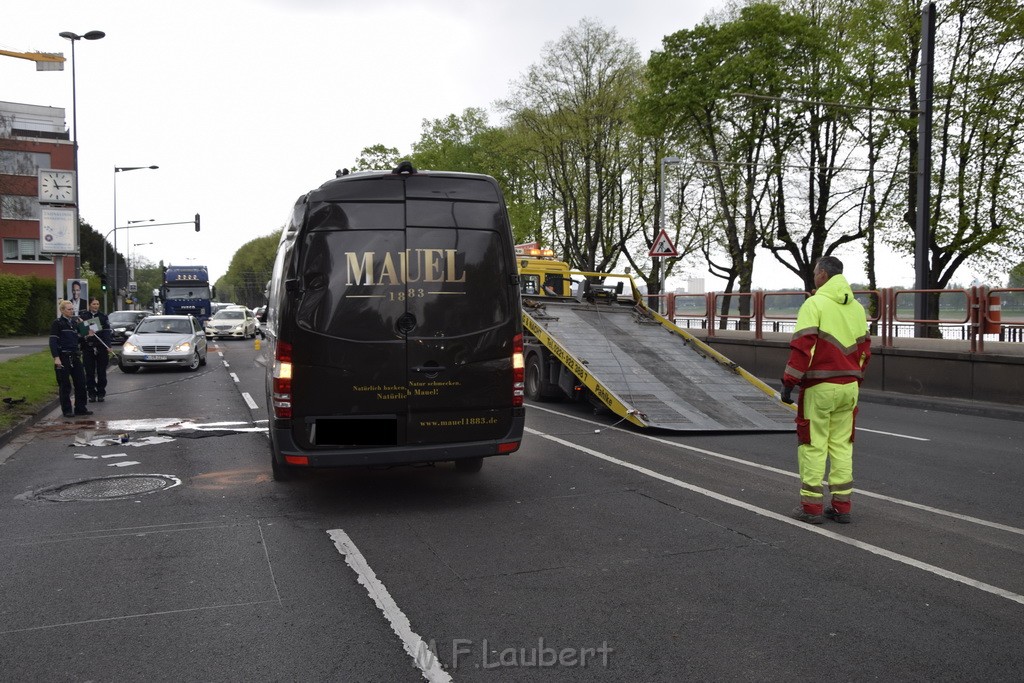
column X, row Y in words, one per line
column 162, row 341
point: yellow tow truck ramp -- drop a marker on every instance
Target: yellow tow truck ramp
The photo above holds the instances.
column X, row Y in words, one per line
column 641, row 366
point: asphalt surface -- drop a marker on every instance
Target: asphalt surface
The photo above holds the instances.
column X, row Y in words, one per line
column 644, row 556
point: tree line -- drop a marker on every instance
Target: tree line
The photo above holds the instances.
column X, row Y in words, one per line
column 792, row 130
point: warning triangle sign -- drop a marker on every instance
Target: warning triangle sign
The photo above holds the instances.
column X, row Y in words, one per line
column 663, row 245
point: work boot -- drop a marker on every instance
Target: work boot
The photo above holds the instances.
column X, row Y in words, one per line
column 92, row 397
column 83, row 411
column 804, row 516
column 841, row 517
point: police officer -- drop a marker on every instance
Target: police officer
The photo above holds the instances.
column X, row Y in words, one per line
column 96, row 350
column 67, row 363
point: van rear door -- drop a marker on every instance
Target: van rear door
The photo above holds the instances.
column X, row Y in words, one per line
column 407, row 316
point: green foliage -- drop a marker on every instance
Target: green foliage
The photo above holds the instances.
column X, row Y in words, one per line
column 1016, row 279
column 250, row 269
column 14, row 300
column 27, row 305
column 377, row 158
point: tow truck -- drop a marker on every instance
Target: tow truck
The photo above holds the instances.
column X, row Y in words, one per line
column 590, row 337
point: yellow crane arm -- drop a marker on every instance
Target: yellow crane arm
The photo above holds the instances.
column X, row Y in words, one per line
column 45, row 61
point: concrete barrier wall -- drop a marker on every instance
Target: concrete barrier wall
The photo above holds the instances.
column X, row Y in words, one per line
column 923, row 367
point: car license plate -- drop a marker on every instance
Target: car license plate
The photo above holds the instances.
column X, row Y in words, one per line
column 149, row 357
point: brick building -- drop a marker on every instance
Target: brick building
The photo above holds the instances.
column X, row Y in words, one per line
column 31, row 137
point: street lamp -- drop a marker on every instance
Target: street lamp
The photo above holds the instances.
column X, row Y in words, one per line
column 74, row 37
column 119, row 169
column 658, row 265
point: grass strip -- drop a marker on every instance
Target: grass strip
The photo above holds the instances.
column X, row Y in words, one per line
column 30, row 378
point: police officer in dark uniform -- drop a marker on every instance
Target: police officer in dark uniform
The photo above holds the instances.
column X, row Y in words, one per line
column 67, row 363
column 96, row 350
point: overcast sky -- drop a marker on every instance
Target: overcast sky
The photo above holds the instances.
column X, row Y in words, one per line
column 245, row 105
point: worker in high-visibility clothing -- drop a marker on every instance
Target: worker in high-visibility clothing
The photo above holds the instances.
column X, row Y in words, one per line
column 828, row 354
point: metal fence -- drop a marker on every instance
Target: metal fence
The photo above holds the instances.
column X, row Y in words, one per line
column 976, row 314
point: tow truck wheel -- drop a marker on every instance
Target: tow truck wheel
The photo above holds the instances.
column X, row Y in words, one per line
column 469, row 465
column 536, row 388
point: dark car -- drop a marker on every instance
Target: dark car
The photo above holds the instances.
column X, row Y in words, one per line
column 123, row 323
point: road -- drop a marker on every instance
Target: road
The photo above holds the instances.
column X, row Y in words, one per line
column 593, row 553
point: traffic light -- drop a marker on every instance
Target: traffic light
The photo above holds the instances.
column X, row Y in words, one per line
column 197, row 222
column 103, row 281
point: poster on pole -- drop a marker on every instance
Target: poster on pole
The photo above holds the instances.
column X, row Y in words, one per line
column 58, row 232
column 78, row 294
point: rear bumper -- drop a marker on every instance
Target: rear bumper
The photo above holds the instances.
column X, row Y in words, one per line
column 281, row 438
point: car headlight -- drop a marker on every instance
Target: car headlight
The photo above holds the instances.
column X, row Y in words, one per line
column 183, row 346
column 130, row 348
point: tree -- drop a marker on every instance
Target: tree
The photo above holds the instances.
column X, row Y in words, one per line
column 978, row 143
column 696, row 94
column 570, row 112
column 377, row 157
column 249, row 271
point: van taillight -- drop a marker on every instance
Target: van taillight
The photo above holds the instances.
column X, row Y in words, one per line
column 282, row 396
column 518, row 370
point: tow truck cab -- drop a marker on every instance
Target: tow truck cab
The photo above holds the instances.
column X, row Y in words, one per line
column 540, row 274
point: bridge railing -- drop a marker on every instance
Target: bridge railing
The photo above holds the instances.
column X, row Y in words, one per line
column 973, row 314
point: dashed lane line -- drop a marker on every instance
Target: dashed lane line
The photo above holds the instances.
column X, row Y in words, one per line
column 425, row 659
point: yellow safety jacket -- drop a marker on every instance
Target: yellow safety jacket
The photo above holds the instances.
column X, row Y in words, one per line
column 831, row 342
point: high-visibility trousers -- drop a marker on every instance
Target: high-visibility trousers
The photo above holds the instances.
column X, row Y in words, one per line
column 826, row 422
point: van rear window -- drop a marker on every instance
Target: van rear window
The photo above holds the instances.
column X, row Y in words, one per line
column 357, row 284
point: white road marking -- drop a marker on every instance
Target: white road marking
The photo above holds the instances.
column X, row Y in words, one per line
column 233, row 376
column 114, row 455
column 414, row 645
column 898, row 436
column 220, row 353
column 124, row 463
column 226, row 364
column 795, row 475
column 874, row 549
column 251, row 403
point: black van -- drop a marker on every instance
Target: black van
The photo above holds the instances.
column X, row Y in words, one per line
column 394, row 332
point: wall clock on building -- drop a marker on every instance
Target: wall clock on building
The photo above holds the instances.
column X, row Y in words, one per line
column 56, row 187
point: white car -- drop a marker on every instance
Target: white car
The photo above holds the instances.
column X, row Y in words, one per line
column 161, row 341
column 231, row 322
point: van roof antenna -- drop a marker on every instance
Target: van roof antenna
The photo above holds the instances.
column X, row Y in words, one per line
column 404, row 168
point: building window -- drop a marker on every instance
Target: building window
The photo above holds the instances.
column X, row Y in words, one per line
column 15, row 207
column 24, row 250
column 16, row 162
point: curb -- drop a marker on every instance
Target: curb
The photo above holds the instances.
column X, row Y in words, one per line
column 1002, row 411
column 27, row 421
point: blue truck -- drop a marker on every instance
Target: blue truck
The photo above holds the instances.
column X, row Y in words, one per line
column 186, row 291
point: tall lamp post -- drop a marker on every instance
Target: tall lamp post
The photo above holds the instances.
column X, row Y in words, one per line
column 120, row 169
column 74, row 37
column 658, row 263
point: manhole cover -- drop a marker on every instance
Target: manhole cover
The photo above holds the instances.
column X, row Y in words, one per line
column 109, row 488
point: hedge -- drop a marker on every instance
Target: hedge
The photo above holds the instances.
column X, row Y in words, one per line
column 27, row 305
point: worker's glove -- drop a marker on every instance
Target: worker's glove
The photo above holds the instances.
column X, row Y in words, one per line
column 787, row 394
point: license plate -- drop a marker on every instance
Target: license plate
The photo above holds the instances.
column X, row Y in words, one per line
column 154, row 357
